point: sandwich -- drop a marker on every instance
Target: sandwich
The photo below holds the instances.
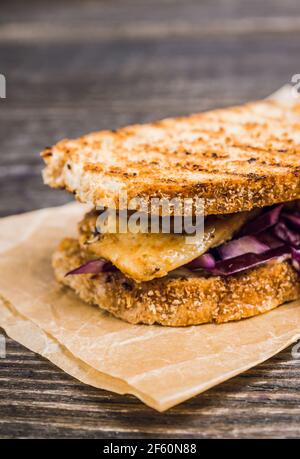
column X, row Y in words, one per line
column 242, row 164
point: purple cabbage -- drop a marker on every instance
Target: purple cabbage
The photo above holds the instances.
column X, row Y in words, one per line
column 292, row 219
column 296, row 258
column 248, row 260
column 273, row 235
column 92, row 267
column 263, row 222
column 287, row 235
column 269, row 239
column 240, row 246
column 205, row 261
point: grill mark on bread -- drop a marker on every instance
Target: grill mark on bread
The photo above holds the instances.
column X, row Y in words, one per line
column 230, row 154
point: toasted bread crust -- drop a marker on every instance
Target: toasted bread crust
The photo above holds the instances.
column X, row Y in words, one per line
column 179, row 302
column 235, row 159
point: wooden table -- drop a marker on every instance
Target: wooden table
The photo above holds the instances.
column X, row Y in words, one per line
column 72, row 67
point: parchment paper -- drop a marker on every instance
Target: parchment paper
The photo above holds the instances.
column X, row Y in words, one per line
column 161, row 366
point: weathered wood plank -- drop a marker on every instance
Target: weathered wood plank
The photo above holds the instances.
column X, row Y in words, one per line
column 74, row 67
column 255, row 404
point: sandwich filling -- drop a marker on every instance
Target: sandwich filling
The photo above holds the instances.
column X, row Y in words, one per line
column 228, row 245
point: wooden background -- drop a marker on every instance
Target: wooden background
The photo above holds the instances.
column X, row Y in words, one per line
column 76, row 66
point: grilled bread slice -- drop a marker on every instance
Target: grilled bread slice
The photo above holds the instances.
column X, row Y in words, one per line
column 234, row 159
column 179, row 301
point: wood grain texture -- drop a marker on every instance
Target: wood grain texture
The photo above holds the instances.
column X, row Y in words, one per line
column 73, row 67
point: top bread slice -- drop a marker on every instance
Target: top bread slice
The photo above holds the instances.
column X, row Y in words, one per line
column 235, row 159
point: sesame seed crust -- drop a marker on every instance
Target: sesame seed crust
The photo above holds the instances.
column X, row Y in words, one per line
column 179, row 301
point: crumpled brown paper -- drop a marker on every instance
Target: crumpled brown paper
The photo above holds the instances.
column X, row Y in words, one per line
column 161, row 366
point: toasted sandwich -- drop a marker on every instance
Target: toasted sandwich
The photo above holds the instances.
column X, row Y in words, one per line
column 242, row 164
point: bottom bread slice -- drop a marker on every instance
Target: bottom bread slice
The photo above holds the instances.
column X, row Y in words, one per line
column 179, row 301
